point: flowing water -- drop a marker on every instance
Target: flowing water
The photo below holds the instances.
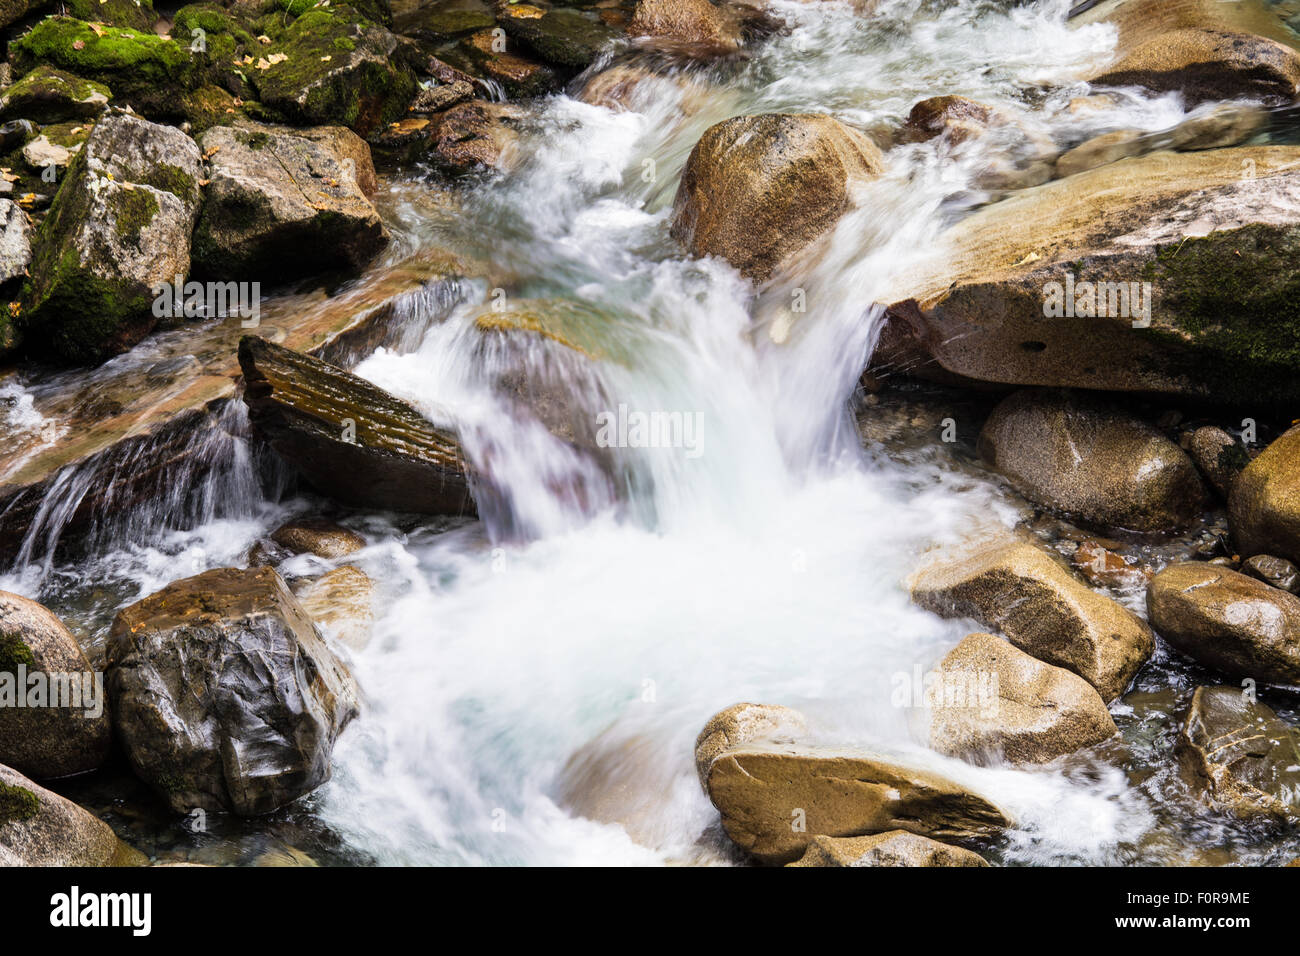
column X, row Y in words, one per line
column 564, row 651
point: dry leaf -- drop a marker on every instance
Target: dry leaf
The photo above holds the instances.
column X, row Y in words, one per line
column 79, row 44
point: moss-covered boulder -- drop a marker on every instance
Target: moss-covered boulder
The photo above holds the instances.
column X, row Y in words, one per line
column 224, row 695
column 149, row 72
column 66, row 731
column 440, row 22
column 136, row 14
column 567, row 38
column 290, row 198
column 119, row 227
column 50, row 95
column 220, row 40
column 41, row 828
column 332, row 67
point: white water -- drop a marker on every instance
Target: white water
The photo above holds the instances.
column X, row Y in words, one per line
column 610, row 621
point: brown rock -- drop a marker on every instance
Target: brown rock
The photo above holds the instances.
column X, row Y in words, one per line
column 1092, row 462
column 318, row 536
column 469, row 138
column 739, row 724
column 1237, row 624
column 1106, row 148
column 1277, row 572
column 1218, row 455
column 1103, row 568
column 895, row 848
column 959, row 117
column 694, row 22
column 341, row 603
column 1034, row 713
column 758, row 189
column 1264, row 506
column 1018, row 588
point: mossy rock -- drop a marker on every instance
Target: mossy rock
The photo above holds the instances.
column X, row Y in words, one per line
column 566, row 38
column 149, row 72
column 376, row 11
column 13, row 653
column 337, row 69
column 12, row 11
column 136, row 14
column 17, row 804
column 438, row 24
column 209, row 106
column 220, row 40
column 50, row 95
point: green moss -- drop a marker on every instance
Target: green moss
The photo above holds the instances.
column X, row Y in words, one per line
column 14, row 651
column 1230, row 304
column 17, row 804
column 118, row 13
column 132, row 211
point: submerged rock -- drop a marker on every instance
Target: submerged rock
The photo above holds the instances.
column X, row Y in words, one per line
column 775, row 799
column 758, row 189
column 118, row 229
column 350, row 439
column 49, row 95
column 1237, row 624
column 224, row 696
column 1264, row 506
column 895, row 848
column 1001, row 704
column 41, row 828
column 341, row 603
column 1170, row 273
column 66, row 730
column 1237, row 753
column 1092, row 461
column 286, row 197
column 1018, row 588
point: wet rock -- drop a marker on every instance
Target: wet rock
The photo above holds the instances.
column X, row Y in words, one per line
column 435, row 99
column 338, row 69
column 15, row 244
column 757, row 190
column 1209, row 65
column 1218, row 455
column 1000, row 704
column 224, row 696
column 50, row 95
column 894, row 848
column 40, row 828
column 351, row 440
column 1264, row 505
column 1104, row 568
column 66, row 729
column 740, row 724
column 437, row 23
column 1118, row 279
column 341, row 604
column 278, row 196
column 1106, row 148
column 695, row 23
column 1016, row 587
column 1239, row 755
column 1237, row 624
column 1091, row 461
column 1277, row 572
column 470, row 138
column 518, row 75
column 567, row 38
column 119, row 227
column 151, row 73
column 318, row 536
column 959, row 117
column 761, row 789
column 1228, row 124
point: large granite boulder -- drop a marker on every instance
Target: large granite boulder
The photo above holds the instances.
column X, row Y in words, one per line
column 224, row 695
column 1264, row 503
column 41, row 828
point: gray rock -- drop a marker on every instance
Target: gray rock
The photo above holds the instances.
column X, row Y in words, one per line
column 224, row 695
column 15, row 241
column 40, row 828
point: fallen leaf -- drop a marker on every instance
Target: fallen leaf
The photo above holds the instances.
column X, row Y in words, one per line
column 1032, row 257
column 79, row 44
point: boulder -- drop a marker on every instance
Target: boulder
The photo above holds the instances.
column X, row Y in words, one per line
column 1277, row 572
column 119, row 228
column 1016, row 587
column 295, row 199
column 776, row 799
column 568, row 38
column 691, row 23
column 1106, row 148
column 50, row 95
column 1170, row 273
column 318, row 536
column 895, row 848
column 1209, row 65
column 1234, row 623
column 435, row 99
column 739, row 724
column 1264, row 504
column 333, row 67
column 470, row 137
column 341, row 604
column 15, row 246
column 1238, row 755
column 437, row 23
column 518, row 75
column 152, row 74
column 958, row 117
column 1091, row 461
column 756, row 190
column 1218, row 456
column 1037, row 712
column 351, row 440
column 224, row 696
column 40, row 828
column 66, row 730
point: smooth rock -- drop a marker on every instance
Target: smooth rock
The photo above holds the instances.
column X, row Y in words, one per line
column 894, row 848
column 318, row 536
column 1278, row 572
column 41, row 828
column 1218, row 456
column 694, row 23
column 1264, row 504
column 341, row 603
column 741, row 723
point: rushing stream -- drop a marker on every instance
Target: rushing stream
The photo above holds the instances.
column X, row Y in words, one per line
column 576, row 639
